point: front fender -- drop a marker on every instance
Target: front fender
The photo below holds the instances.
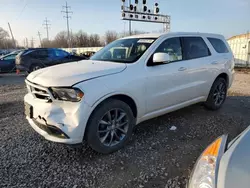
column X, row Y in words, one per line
column 95, row 92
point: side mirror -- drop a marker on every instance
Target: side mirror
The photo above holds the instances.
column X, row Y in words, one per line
column 161, row 58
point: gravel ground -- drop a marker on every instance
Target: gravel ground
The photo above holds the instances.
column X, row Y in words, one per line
column 155, row 156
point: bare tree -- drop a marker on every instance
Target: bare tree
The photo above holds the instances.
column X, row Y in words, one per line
column 61, row 40
column 5, row 41
column 80, row 39
column 47, row 44
column 94, row 40
column 110, row 36
column 3, row 34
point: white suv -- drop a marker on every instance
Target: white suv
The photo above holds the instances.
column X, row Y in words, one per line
column 131, row 80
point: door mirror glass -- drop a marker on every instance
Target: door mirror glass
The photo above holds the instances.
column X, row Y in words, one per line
column 161, row 57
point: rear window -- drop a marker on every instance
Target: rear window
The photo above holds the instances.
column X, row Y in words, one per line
column 61, row 53
column 218, row 45
column 39, row 54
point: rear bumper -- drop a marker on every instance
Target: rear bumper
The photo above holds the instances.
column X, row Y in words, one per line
column 21, row 68
column 231, row 79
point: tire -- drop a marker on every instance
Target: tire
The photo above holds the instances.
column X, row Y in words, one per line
column 101, row 126
column 217, row 94
column 35, row 67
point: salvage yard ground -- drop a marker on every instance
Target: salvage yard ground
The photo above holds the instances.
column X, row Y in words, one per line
column 155, row 156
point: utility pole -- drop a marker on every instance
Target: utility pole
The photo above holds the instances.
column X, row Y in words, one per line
column 14, row 42
column 27, row 43
column 46, row 26
column 130, row 33
column 124, row 29
column 39, row 35
column 32, row 42
column 67, row 12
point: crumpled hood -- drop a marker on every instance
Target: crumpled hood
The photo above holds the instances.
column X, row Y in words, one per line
column 69, row 74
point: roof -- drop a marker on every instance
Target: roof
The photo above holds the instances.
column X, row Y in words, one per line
column 39, row 48
column 245, row 35
column 157, row 35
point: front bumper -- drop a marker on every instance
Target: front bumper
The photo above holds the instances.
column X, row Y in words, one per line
column 59, row 121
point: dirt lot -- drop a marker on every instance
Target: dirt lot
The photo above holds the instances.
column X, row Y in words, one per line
column 155, row 156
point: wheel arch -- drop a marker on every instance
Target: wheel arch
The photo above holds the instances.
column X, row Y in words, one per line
column 119, row 96
column 223, row 75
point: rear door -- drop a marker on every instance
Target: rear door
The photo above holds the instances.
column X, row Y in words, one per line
column 62, row 56
column 40, row 57
column 198, row 56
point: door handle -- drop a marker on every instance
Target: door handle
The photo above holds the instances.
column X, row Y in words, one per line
column 182, row 69
column 214, row 63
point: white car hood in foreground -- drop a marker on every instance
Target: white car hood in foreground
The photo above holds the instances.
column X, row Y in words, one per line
column 69, row 74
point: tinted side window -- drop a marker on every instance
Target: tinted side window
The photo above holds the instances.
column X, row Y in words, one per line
column 171, row 46
column 218, row 45
column 32, row 54
column 61, row 53
column 42, row 53
column 10, row 57
column 39, row 54
column 51, row 53
column 195, row 47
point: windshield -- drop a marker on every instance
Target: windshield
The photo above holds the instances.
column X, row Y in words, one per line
column 124, row 50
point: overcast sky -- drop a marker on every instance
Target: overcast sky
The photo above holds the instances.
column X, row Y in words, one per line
column 227, row 17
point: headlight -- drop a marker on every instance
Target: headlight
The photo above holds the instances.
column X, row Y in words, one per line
column 67, row 94
column 206, row 169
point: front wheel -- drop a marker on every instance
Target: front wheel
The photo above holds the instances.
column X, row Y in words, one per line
column 217, row 95
column 110, row 126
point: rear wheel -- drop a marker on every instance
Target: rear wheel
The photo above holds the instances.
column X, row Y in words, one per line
column 110, row 126
column 217, row 95
column 34, row 67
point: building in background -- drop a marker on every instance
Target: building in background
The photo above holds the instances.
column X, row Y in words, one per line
column 240, row 45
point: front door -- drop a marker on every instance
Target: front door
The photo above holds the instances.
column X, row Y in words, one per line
column 7, row 63
column 168, row 84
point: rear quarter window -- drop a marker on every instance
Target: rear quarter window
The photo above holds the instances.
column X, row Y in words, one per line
column 219, row 45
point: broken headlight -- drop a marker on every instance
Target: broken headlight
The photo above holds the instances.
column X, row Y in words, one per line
column 67, row 94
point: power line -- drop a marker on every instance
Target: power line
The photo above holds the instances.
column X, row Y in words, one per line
column 67, row 12
column 39, row 35
column 22, row 9
column 47, row 24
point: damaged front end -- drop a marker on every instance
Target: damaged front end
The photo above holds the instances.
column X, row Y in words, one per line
column 56, row 119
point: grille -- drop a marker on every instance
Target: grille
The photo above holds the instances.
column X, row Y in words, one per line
column 38, row 91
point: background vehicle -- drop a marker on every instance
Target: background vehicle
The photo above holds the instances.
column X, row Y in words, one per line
column 36, row 58
column 224, row 165
column 7, row 62
column 88, row 53
column 128, row 81
column 4, row 52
